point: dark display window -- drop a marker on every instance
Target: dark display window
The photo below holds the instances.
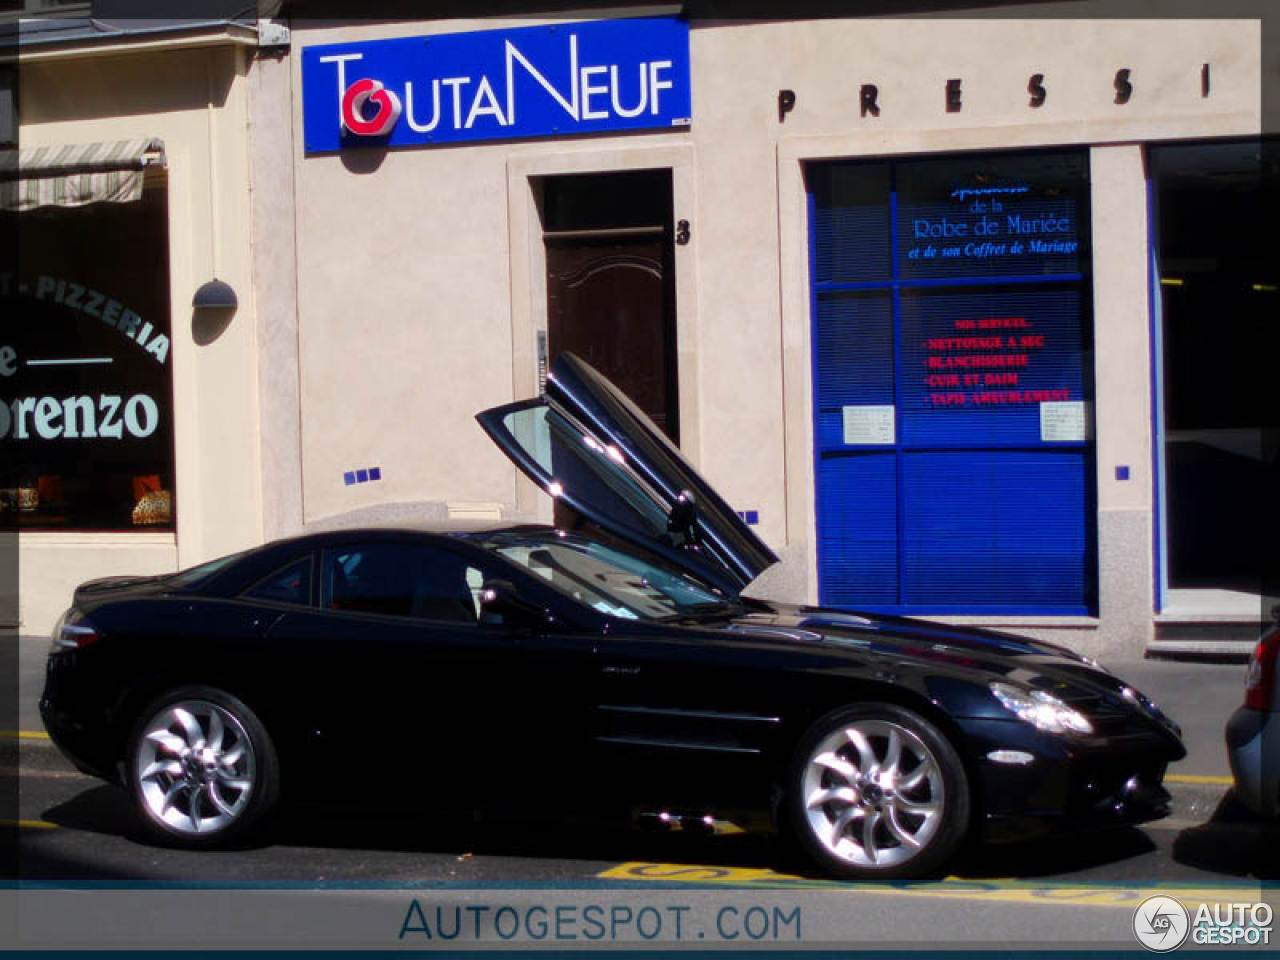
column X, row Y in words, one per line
column 953, row 384
column 1218, row 297
column 86, row 408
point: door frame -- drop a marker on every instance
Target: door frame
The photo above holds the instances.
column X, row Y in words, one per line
column 528, row 276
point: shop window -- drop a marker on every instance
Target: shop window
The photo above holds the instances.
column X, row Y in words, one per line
column 86, row 406
column 1217, row 293
column 952, row 384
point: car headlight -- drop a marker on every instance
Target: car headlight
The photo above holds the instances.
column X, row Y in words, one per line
column 1151, row 707
column 1042, row 710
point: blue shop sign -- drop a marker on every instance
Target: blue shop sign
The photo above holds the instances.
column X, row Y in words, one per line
column 560, row 80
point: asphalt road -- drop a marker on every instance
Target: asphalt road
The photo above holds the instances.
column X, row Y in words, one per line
column 1080, row 891
column 75, row 827
column 373, row 882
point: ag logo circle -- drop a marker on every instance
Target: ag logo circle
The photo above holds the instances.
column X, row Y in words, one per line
column 1161, row 924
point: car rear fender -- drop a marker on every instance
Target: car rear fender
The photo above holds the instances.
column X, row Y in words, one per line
column 127, row 708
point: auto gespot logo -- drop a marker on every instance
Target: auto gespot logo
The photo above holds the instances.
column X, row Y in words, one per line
column 1162, row 923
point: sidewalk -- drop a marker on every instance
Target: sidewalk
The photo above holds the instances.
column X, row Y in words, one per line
column 1199, row 696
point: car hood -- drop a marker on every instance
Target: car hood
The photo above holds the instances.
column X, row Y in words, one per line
column 903, row 636
column 943, row 653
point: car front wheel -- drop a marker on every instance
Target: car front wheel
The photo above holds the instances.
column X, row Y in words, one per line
column 201, row 768
column 877, row 792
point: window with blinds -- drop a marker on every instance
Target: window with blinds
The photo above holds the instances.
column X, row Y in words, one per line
column 952, row 384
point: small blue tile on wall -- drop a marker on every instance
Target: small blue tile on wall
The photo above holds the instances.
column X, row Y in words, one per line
column 362, row 476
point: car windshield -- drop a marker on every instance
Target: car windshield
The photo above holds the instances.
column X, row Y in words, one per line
column 194, row 576
column 613, row 582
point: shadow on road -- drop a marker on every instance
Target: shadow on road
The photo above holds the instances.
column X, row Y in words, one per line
column 1053, row 856
column 106, row 810
column 575, row 849
column 100, row 809
column 1232, row 841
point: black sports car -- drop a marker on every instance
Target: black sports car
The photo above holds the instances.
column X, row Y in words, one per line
column 612, row 663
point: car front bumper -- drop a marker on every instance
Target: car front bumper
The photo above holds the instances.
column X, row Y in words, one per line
column 1065, row 785
column 1253, row 748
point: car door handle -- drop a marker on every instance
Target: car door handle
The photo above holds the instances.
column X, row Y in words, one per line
column 614, row 670
column 265, row 623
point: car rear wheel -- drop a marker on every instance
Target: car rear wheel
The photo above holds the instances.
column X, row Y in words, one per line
column 877, row 792
column 201, row 768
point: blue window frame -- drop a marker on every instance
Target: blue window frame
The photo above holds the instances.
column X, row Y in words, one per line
column 952, row 370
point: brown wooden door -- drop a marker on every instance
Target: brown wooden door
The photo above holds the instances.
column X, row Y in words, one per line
column 611, row 282
column 609, row 301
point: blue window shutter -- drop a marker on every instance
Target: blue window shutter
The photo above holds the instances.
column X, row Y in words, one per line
column 855, row 358
column 858, row 538
column 991, row 529
column 850, row 224
column 971, row 508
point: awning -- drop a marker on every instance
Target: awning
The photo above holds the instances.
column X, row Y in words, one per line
column 76, row 174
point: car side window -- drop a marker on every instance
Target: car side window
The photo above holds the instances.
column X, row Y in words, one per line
column 289, row 584
column 401, row 580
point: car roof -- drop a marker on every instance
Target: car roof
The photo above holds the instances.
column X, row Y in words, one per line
column 459, row 530
column 259, row 561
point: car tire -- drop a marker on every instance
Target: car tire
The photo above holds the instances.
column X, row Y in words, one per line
column 876, row 792
column 201, row 769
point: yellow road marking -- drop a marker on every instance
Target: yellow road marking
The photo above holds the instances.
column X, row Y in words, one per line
column 1196, row 778
column 23, row 735
column 29, row 824
column 1002, row 890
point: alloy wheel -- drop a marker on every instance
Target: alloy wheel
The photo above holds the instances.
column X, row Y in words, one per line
column 872, row 794
column 195, row 767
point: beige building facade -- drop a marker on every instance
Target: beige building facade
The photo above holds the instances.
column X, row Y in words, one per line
column 185, row 94
column 389, row 291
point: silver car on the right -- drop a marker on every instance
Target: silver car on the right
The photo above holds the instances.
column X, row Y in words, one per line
column 1253, row 732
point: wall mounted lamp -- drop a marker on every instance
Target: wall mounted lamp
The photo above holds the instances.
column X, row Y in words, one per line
column 215, row 295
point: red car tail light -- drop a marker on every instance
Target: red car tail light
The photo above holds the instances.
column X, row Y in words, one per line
column 73, row 631
column 1260, row 683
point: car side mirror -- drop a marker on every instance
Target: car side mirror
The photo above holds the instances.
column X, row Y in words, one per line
column 500, row 602
column 682, row 530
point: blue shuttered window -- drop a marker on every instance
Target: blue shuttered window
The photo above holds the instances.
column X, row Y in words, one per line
column 952, row 374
